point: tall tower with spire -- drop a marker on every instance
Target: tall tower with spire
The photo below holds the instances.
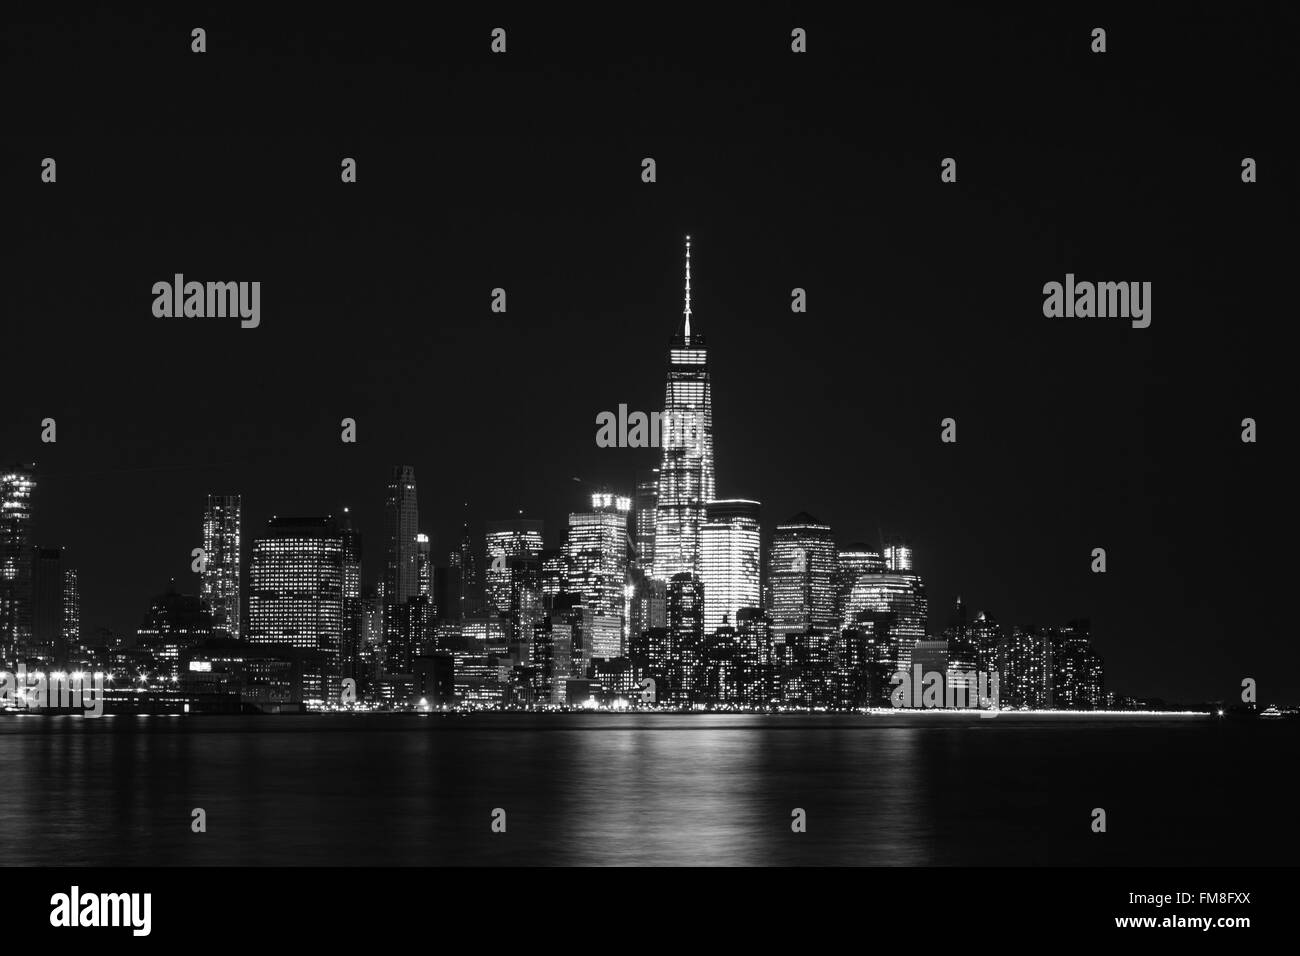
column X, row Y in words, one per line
column 686, row 479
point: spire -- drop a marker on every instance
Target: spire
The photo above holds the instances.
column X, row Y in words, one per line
column 688, row 289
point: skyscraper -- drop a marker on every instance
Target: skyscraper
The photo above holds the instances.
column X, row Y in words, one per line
column 802, row 571
column 401, row 520
column 900, row 595
column 17, row 485
column 851, row 561
column 516, row 538
column 730, row 561
column 643, row 519
column 46, row 645
column 596, row 560
column 403, row 623
column 352, row 635
column 221, row 574
column 71, row 613
column 685, row 636
column 686, row 478
column 295, row 592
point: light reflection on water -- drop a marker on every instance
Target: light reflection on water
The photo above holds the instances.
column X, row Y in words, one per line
column 592, row 789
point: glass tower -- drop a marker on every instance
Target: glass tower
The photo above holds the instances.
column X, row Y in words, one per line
column 686, row 479
column 730, row 548
column 220, row 587
column 596, row 559
column 17, row 485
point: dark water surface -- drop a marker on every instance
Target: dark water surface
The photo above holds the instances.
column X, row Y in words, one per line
column 640, row 789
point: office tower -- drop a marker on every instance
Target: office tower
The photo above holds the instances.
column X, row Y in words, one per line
column 371, row 663
column 554, row 572
column 295, row 594
column 754, row 657
column 685, row 635
column 596, row 557
column 524, row 600
column 802, row 571
column 1027, row 668
column 718, row 680
column 465, row 564
column 174, row 623
column 898, row 555
column 423, row 566
column 352, row 636
column 686, row 478
column 71, row 613
column 401, row 520
column 928, row 679
column 517, row 538
column 1092, row 693
column 804, row 630
column 647, row 603
column 1076, row 669
column 903, row 596
column 851, row 561
column 428, row 612
column 17, row 485
column 963, row 657
column 986, row 635
column 643, row 519
column 220, row 587
column 46, row 646
column 730, row 560
column 403, row 623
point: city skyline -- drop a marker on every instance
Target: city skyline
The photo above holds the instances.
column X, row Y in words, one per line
column 806, row 586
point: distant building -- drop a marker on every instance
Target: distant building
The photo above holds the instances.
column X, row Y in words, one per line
column 220, row 588
column 295, row 593
column 17, row 487
column 730, row 546
column 596, row 558
column 686, row 636
column 174, row 623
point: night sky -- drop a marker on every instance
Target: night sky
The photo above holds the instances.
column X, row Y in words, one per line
column 819, row 171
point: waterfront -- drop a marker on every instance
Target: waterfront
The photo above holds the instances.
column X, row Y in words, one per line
column 640, row 789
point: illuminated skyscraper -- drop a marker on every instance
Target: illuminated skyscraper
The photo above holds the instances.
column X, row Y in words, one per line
column 401, row 520
column 802, row 570
column 686, row 479
column 221, row 575
column 295, row 592
column 423, row 566
column 643, row 518
column 596, row 558
column 730, row 561
column 851, row 561
column 71, row 612
column 517, row 538
column 17, row 484
column 903, row 598
column 352, row 637
column 898, row 555
column 404, row 622
column 685, row 637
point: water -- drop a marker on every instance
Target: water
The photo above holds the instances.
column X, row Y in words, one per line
column 646, row 790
